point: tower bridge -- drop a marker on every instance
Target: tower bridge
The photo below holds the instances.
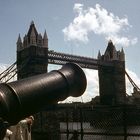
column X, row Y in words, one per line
column 110, row 65
column 33, row 57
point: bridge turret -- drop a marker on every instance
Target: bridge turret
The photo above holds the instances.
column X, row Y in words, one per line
column 19, row 43
column 112, row 78
column 33, row 36
column 110, row 53
column 122, row 55
column 32, row 57
column 45, row 40
column 99, row 55
column 39, row 40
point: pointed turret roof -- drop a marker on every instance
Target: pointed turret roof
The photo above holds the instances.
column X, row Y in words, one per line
column 45, row 35
column 34, row 38
column 32, row 30
column 122, row 55
column 32, row 22
column 99, row 55
column 19, row 39
column 33, row 33
column 110, row 49
column 45, row 40
column 19, row 43
column 122, row 51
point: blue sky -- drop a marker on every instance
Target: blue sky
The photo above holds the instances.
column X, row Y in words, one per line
column 63, row 18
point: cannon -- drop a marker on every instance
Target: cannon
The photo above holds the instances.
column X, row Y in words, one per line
column 24, row 97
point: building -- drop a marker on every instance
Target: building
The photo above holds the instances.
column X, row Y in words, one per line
column 112, row 87
column 32, row 53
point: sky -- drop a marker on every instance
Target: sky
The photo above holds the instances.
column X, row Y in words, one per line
column 79, row 27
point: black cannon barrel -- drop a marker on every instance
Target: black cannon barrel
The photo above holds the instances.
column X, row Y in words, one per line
column 28, row 96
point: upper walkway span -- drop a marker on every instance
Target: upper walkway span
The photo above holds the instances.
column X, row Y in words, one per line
column 84, row 62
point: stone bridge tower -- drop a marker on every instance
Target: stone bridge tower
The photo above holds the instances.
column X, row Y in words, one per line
column 112, row 78
column 32, row 53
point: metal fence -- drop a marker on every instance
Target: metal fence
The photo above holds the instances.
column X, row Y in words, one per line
column 100, row 123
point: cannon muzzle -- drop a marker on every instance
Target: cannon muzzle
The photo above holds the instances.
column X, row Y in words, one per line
column 28, row 96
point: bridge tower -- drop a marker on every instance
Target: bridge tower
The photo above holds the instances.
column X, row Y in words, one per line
column 112, row 78
column 32, row 53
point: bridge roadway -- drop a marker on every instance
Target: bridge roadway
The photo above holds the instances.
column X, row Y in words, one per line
column 84, row 62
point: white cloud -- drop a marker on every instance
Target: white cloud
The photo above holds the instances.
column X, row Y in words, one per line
column 124, row 41
column 92, row 82
column 78, row 7
column 99, row 21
